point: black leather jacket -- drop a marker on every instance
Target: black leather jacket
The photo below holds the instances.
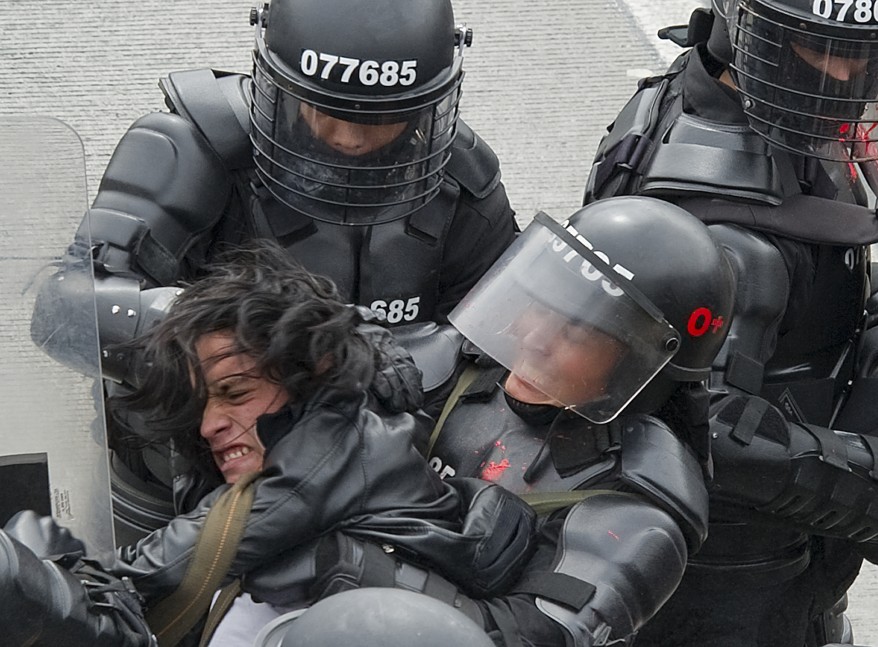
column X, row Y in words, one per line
column 338, row 462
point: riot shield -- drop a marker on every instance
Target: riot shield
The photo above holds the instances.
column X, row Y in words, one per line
column 53, row 457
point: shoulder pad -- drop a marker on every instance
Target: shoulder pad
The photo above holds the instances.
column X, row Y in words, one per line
column 659, row 466
column 163, row 185
column 218, row 103
column 627, row 143
column 436, row 350
column 699, row 157
column 805, row 218
column 473, row 164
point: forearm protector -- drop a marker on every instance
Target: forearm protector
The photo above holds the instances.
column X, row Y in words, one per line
column 619, row 559
column 821, row 480
column 63, row 323
column 66, row 603
column 337, row 562
column 629, row 552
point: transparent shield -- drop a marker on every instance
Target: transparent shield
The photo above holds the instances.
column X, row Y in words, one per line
column 54, row 456
column 564, row 327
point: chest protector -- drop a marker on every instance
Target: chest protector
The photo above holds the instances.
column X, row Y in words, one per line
column 797, row 326
column 393, row 268
column 483, row 437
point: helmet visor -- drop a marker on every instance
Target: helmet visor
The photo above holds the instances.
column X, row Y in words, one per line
column 350, row 166
column 809, row 93
column 565, row 324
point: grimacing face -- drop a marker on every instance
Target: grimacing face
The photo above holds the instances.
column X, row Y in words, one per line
column 346, row 137
column 561, row 362
column 236, row 396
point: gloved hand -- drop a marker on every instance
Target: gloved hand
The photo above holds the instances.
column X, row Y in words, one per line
column 43, row 535
column 397, row 381
column 69, row 602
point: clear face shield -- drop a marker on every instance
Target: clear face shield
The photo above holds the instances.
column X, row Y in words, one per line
column 349, row 162
column 566, row 325
column 809, row 93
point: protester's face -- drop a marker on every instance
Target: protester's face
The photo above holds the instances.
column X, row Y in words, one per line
column 236, row 396
column 348, row 138
column 571, row 362
column 838, row 67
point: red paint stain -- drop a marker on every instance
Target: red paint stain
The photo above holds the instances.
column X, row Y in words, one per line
column 613, row 535
column 494, row 471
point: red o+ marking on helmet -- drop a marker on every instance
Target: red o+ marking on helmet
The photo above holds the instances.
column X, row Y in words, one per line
column 701, row 321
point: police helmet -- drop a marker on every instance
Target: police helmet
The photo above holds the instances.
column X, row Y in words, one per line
column 628, row 292
column 355, row 104
column 807, row 72
column 375, row 617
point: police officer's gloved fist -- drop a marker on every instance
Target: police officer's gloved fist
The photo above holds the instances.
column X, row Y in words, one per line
column 397, row 381
column 43, row 535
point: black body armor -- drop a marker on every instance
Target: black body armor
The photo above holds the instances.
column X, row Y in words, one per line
column 634, row 480
column 180, row 186
column 798, row 235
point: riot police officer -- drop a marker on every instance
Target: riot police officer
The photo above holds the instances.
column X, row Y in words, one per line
column 344, row 146
column 596, row 413
column 763, row 128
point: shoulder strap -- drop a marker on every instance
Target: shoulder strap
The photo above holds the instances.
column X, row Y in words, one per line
column 544, row 503
column 466, row 378
column 173, row 617
column 223, row 603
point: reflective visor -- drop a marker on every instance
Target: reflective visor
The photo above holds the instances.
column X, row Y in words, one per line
column 360, row 164
column 809, row 93
column 571, row 330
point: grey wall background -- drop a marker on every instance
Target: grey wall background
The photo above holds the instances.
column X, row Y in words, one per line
column 544, row 79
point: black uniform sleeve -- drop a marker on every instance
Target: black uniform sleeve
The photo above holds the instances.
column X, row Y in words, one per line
column 482, row 229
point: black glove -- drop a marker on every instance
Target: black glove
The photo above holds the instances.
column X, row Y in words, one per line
column 68, row 602
column 43, row 535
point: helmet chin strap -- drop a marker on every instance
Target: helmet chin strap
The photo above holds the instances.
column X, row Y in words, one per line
column 532, row 414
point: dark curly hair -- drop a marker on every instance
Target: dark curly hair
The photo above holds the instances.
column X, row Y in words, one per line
column 292, row 323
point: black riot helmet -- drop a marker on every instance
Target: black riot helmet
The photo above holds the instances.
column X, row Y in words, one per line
column 807, row 72
column 629, row 292
column 375, row 617
column 355, row 104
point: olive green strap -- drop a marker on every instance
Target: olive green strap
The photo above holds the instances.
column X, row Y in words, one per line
column 547, row 502
column 223, row 603
column 466, row 378
column 173, row 617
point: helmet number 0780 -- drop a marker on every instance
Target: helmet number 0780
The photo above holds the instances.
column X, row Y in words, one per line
column 353, row 70
column 862, row 11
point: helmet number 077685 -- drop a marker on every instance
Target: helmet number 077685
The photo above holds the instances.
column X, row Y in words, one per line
column 353, row 70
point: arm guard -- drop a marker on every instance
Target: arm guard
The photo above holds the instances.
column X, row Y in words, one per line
column 821, row 480
column 64, row 311
column 630, row 553
column 618, row 559
column 759, row 308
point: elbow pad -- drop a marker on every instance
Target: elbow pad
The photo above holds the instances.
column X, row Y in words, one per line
column 63, row 322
